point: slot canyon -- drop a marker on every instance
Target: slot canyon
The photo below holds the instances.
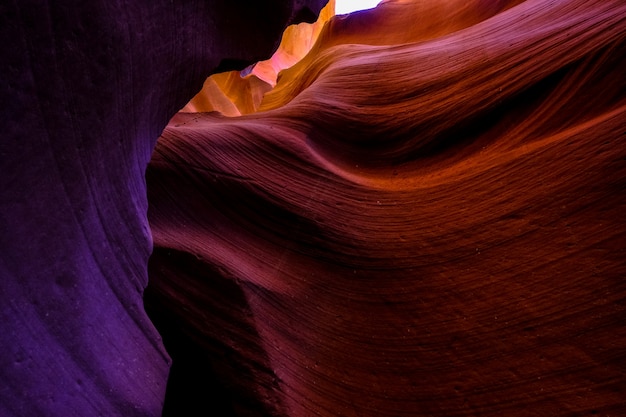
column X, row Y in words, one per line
column 412, row 210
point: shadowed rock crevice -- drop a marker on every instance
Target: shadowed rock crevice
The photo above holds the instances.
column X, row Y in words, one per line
column 214, row 370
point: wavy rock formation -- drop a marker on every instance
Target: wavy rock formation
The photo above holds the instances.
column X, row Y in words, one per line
column 87, row 87
column 429, row 222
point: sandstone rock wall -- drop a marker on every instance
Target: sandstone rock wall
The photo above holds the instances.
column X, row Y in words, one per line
column 430, row 223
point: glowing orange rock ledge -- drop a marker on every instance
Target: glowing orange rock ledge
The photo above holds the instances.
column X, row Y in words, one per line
column 240, row 92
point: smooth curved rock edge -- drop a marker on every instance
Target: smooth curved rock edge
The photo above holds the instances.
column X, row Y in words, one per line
column 430, row 224
column 87, row 87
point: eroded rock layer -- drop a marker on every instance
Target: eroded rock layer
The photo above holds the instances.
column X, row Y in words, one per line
column 430, row 227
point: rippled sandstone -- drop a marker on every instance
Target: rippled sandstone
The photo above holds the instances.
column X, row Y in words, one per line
column 427, row 219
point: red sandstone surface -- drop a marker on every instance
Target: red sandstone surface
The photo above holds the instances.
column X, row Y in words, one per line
column 428, row 219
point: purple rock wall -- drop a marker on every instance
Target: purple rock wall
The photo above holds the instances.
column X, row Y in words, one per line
column 86, row 89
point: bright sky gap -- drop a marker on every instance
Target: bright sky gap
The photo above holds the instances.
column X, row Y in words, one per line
column 347, row 6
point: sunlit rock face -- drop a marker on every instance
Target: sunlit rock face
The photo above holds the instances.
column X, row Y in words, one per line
column 429, row 223
column 87, row 87
column 240, row 92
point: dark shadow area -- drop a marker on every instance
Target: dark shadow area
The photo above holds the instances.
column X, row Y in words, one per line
column 193, row 388
column 218, row 365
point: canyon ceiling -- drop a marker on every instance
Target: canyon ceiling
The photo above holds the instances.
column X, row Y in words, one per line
column 424, row 216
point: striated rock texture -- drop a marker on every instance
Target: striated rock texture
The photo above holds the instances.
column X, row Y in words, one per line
column 431, row 225
column 86, row 89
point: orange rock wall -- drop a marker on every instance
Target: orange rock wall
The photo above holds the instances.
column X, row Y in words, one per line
column 240, row 92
